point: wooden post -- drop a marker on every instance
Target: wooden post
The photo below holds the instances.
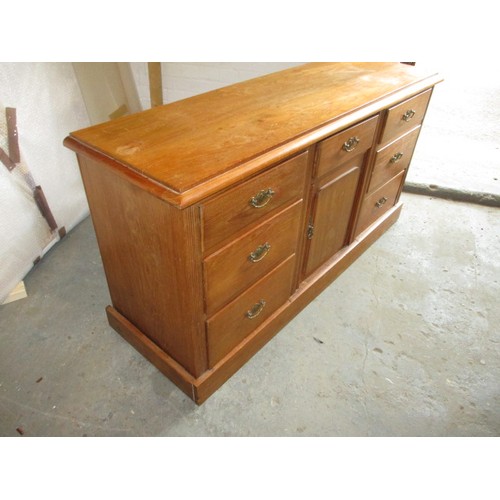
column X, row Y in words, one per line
column 155, row 84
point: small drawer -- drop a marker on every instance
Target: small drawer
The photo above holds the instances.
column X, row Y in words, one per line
column 332, row 152
column 231, row 211
column 242, row 262
column 379, row 202
column 405, row 116
column 227, row 328
column 393, row 158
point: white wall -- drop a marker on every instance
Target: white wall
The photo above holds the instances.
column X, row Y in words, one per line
column 181, row 80
column 48, row 105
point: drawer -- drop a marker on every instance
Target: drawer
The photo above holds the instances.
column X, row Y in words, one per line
column 228, row 213
column 333, row 151
column 393, row 158
column 242, row 262
column 379, row 202
column 405, row 116
column 227, row 328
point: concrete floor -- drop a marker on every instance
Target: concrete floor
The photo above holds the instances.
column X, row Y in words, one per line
column 405, row 343
column 459, row 145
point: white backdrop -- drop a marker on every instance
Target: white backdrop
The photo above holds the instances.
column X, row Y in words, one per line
column 48, row 105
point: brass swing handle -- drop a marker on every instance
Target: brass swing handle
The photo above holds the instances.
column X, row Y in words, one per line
column 351, row 144
column 262, row 198
column 396, row 157
column 256, row 309
column 260, row 252
column 410, row 113
column 381, row 202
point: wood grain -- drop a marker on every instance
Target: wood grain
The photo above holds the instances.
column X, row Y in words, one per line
column 230, row 326
column 229, row 271
column 186, row 143
column 333, row 213
column 380, row 201
column 229, row 212
column 331, row 152
column 395, row 125
column 384, row 169
column 150, row 251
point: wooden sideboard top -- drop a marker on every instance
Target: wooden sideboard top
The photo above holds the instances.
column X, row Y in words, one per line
column 180, row 151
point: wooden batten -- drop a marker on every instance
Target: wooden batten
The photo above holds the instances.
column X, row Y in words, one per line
column 155, row 84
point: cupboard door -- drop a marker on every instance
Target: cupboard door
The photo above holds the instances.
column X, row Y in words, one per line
column 332, row 213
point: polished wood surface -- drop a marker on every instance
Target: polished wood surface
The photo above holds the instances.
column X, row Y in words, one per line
column 230, row 270
column 220, row 217
column 393, row 158
column 226, row 214
column 333, row 210
column 397, row 125
column 332, row 153
column 148, row 265
column 380, row 201
column 235, row 124
column 227, row 328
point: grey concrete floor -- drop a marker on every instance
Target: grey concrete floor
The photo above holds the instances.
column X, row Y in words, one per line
column 459, row 145
column 405, row 343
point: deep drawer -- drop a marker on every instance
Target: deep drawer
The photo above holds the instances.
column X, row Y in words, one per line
column 231, row 211
column 405, row 116
column 332, row 152
column 393, row 158
column 379, row 202
column 234, row 267
column 227, row 328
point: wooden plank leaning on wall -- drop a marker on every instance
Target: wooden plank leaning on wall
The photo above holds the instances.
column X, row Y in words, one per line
column 155, row 84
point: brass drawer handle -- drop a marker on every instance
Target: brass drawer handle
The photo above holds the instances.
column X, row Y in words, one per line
column 381, row 202
column 259, row 253
column 396, row 157
column 256, row 309
column 410, row 113
column 262, row 198
column 350, row 144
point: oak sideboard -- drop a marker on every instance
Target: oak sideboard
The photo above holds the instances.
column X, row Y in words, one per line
column 221, row 216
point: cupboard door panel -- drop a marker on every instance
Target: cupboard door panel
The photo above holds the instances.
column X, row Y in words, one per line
column 333, row 209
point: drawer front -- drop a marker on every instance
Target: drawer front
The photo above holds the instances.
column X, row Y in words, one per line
column 333, row 151
column 227, row 328
column 233, row 268
column 231, row 211
column 379, row 202
column 392, row 159
column 405, row 116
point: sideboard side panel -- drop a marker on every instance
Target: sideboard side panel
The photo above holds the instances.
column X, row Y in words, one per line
column 151, row 253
